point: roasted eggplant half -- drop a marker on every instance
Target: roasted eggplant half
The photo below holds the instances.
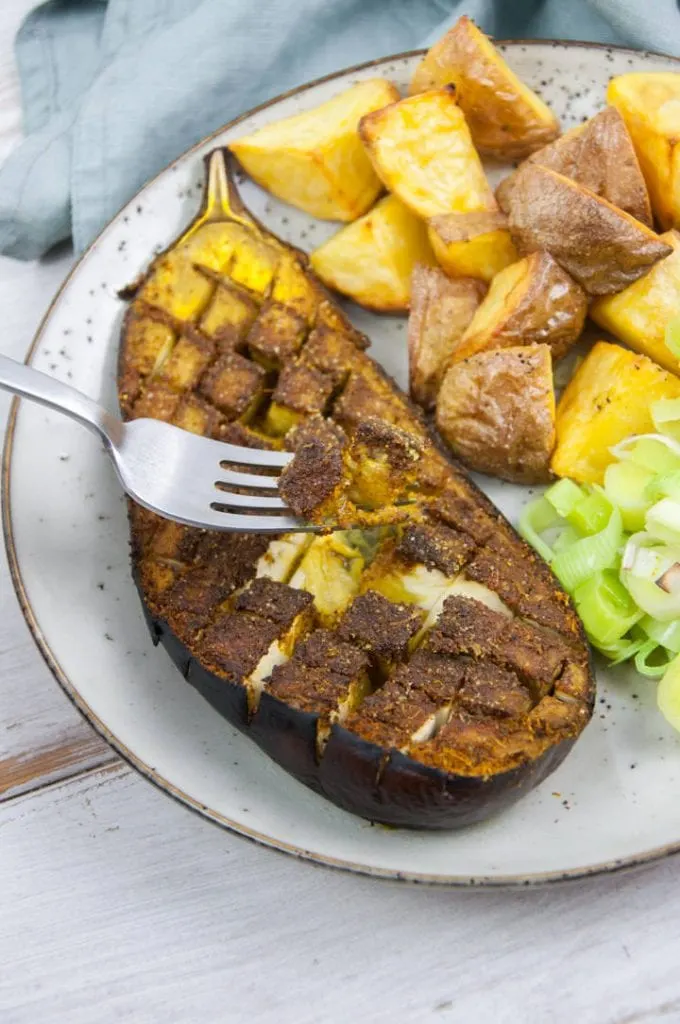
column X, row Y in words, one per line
column 423, row 674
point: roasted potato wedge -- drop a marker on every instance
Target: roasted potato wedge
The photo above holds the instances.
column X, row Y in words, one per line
column 640, row 313
column 371, row 261
column 649, row 103
column 533, row 301
column 497, row 412
column 600, row 155
column 506, row 118
column 604, row 248
column 607, row 399
column 422, row 150
column 441, row 309
column 472, row 244
column 315, row 160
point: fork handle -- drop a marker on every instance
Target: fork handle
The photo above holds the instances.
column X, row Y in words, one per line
column 39, row 387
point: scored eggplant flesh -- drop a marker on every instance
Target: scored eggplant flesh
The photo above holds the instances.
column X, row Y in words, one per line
column 423, row 674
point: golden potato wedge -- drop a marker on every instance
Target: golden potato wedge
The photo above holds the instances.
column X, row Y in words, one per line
column 472, row 244
column 497, row 412
column 607, row 399
column 371, row 260
column 315, row 160
column 600, row 155
column 649, row 103
column 441, row 309
column 640, row 313
column 507, row 120
column 604, row 248
column 533, row 301
column 422, row 150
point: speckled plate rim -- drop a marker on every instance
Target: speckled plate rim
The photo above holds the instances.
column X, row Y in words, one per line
column 416, row 878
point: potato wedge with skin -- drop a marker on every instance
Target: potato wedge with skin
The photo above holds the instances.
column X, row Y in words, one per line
column 531, row 302
column 472, row 244
column 600, row 155
column 640, row 313
column 441, row 309
column 421, row 149
column 649, row 103
column 604, row 248
column 506, row 118
column 497, row 412
column 315, row 160
column 371, row 260
column 606, row 400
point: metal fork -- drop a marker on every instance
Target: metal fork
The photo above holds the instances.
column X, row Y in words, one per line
column 177, row 474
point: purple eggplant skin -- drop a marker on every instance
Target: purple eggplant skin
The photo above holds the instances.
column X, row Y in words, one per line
column 396, row 790
column 225, row 695
column 386, row 787
column 288, row 736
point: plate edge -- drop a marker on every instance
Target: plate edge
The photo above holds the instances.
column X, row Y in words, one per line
column 536, row 879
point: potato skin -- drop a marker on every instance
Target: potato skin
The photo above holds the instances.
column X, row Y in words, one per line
column 602, row 247
column 533, row 301
column 606, row 400
column 507, row 119
column 600, row 155
column 497, row 412
column 441, row 309
column 472, row 244
column 640, row 313
column 648, row 102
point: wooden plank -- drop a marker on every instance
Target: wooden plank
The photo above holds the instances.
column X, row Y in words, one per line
column 20, row 773
column 117, row 898
column 42, row 737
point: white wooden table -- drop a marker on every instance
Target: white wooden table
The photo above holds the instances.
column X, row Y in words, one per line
column 117, row 904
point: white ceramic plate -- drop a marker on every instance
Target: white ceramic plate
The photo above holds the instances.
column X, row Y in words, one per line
column 612, row 804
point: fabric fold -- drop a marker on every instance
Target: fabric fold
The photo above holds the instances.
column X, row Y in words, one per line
column 112, row 92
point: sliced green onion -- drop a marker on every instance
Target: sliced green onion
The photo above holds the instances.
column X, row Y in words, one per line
column 563, row 496
column 644, row 565
column 590, row 554
column 591, row 514
column 663, row 485
column 668, row 694
column 672, row 337
column 625, row 485
column 621, row 650
column 537, row 517
column 625, row 586
column 663, row 521
column 666, row 634
column 656, row 452
column 652, row 599
column 605, row 607
column 642, row 657
column 666, row 416
column 565, row 539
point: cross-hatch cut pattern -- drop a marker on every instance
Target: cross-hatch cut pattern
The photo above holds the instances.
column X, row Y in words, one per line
column 446, row 643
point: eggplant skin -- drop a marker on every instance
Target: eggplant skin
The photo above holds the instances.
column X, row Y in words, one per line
column 200, row 590
column 406, row 793
column 388, row 788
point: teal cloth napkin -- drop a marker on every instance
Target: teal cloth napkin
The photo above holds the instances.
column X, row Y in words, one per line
column 113, row 91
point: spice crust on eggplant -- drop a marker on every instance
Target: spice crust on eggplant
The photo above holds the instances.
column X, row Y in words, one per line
column 423, row 674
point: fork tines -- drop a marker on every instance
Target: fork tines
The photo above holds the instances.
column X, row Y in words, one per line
column 235, row 487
